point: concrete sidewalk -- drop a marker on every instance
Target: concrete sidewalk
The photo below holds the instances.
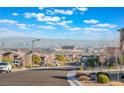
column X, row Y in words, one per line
column 22, row 69
column 57, row 68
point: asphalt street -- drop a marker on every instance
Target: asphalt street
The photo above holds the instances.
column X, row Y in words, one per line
column 35, row 78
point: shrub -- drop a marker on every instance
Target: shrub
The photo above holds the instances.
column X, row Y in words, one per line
column 36, row 59
column 102, row 78
column 103, row 73
column 28, row 66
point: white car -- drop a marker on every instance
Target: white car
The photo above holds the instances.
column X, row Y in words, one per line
column 17, row 63
column 43, row 63
column 5, row 67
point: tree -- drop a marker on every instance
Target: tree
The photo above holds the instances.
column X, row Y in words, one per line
column 91, row 62
column 122, row 59
column 36, row 59
column 7, row 59
column 61, row 58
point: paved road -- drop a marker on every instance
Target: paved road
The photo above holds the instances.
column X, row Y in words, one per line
column 34, row 78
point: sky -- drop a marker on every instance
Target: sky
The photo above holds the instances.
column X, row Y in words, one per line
column 82, row 23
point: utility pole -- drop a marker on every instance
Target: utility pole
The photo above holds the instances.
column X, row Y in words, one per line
column 107, row 58
column 120, row 39
column 33, row 42
column 103, row 56
column 116, row 60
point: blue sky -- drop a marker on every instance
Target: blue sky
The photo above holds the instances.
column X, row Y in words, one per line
column 61, row 22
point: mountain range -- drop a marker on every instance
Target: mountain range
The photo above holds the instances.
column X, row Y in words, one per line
column 26, row 42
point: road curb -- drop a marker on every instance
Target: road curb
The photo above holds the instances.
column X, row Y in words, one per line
column 55, row 68
column 72, row 80
column 19, row 70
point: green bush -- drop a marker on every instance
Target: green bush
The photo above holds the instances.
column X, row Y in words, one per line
column 103, row 73
column 102, row 78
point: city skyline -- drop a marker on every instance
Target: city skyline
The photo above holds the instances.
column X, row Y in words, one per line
column 61, row 22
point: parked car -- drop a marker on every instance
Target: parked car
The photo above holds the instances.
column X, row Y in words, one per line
column 43, row 63
column 5, row 67
column 17, row 63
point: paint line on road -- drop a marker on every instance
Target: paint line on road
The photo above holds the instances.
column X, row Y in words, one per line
column 72, row 80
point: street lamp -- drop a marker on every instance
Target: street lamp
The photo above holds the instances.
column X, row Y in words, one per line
column 33, row 42
column 120, row 51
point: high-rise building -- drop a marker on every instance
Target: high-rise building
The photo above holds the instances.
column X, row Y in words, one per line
column 121, row 38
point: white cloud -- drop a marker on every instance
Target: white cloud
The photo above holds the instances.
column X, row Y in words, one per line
column 6, row 21
column 42, row 17
column 87, row 29
column 22, row 26
column 47, row 27
column 74, row 28
column 40, row 8
column 62, row 23
column 72, row 33
column 30, row 15
column 3, row 29
column 82, row 9
column 95, row 29
column 15, row 14
column 107, row 25
column 49, row 18
column 91, row 21
column 12, row 33
column 68, row 12
column 63, row 18
column 15, row 23
column 50, row 12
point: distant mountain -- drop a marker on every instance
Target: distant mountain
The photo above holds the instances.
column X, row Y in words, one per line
column 26, row 42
